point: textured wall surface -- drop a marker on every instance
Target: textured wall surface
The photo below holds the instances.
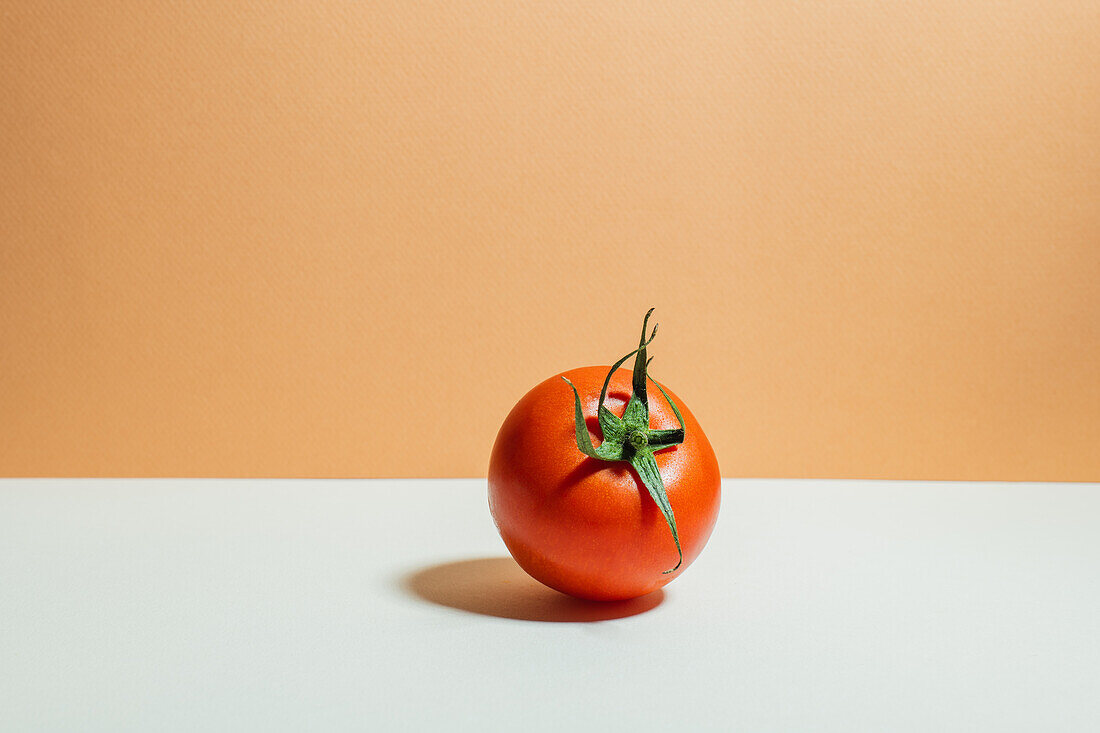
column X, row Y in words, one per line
column 342, row 239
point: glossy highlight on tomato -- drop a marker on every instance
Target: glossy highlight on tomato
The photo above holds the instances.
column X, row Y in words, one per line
column 589, row 527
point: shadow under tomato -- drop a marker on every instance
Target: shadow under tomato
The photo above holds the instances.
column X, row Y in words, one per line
column 497, row 586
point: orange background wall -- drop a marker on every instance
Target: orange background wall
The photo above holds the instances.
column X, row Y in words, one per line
column 342, row 239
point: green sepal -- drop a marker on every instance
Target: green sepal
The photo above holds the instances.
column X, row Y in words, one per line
column 646, row 466
column 620, row 362
column 636, row 412
column 640, row 364
column 612, row 426
column 661, row 439
column 608, row 450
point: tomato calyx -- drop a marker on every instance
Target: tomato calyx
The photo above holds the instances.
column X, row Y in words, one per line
column 629, row 438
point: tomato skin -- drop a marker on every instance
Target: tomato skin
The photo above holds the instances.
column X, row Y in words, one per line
column 587, row 527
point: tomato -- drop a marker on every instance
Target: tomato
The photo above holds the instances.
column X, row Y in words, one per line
column 592, row 528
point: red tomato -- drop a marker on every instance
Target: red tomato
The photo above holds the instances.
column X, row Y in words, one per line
column 589, row 527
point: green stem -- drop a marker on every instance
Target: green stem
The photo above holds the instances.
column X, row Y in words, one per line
column 629, row 438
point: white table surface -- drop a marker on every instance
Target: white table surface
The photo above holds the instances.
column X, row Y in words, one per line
column 266, row 605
